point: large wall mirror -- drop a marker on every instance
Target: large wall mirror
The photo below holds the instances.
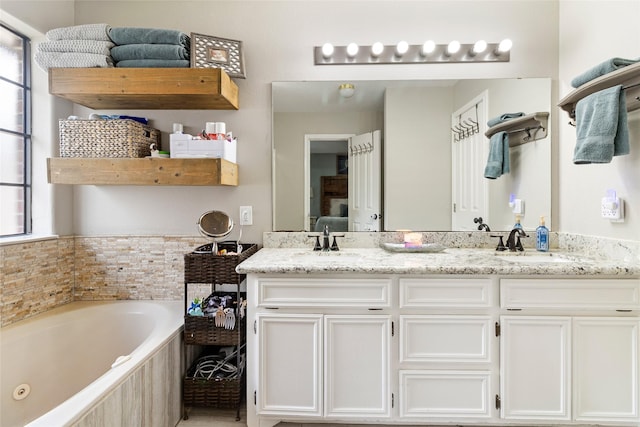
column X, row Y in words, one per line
column 427, row 181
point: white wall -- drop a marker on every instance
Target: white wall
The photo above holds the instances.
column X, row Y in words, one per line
column 278, row 40
column 590, row 33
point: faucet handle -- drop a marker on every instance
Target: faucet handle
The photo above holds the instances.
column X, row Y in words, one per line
column 317, row 246
column 501, row 246
column 334, row 245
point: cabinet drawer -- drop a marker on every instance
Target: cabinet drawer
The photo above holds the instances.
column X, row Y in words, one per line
column 367, row 293
column 445, row 339
column 450, row 394
column 594, row 294
column 443, row 293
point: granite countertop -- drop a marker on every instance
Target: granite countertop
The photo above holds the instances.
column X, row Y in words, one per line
column 450, row 261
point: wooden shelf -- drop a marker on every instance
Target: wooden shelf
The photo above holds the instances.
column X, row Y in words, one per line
column 625, row 76
column 146, row 88
column 523, row 129
column 144, row 171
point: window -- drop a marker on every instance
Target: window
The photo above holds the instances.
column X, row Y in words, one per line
column 15, row 133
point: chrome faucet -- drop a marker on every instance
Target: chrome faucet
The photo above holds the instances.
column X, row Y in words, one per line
column 513, row 241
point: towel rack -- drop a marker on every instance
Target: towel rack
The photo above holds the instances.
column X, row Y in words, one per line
column 628, row 77
column 521, row 130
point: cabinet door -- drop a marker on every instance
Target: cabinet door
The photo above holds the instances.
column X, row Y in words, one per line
column 290, row 361
column 535, row 367
column 357, row 354
column 606, row 369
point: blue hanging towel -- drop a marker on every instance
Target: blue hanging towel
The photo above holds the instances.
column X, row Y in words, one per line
column 498, row 161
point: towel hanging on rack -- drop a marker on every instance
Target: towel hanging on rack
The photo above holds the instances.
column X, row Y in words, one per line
column 498, row 161
column 601, row 127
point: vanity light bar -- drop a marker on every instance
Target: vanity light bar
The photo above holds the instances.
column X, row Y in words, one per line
column 403, row 53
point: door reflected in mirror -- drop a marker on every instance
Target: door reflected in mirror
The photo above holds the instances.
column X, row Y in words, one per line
column 417, row 156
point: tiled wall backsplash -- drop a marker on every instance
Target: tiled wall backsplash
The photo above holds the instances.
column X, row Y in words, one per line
column 38, row 276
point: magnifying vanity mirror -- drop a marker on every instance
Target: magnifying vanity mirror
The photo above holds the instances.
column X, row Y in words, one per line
column 429, row 176
column 216, row 225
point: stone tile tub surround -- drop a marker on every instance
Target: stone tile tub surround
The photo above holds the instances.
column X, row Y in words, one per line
column 38, row 276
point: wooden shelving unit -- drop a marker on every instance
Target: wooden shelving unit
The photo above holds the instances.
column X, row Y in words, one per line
column 146, row 88
column 628, row 77
column 144, row 171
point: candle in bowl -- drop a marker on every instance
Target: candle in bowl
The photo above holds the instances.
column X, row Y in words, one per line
column 412, row 240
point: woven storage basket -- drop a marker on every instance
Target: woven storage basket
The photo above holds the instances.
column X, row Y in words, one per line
column 214, row 392
column 106, row 138
column 219, row 269
column 202, row 330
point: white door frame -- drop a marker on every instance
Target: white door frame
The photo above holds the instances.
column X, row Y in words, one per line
column 308, row 139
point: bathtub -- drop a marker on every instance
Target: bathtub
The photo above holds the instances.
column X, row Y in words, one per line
column 101, row 363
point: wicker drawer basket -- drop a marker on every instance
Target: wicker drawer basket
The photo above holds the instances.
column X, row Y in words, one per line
column 220, row 269
column 213, row 392
column 106, row 138
column 202, row 330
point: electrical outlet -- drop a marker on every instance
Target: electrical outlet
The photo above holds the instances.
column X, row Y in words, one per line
column 246, row 215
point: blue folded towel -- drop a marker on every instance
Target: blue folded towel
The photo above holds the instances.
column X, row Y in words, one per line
column 135, row 35
column 153, row 63
column 601, row 69
column 149, row 51
column 503, row 118
column 498, row 161
column 601, row 127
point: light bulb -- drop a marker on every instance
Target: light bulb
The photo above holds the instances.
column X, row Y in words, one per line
column 479, row 47
column 327, row 50
column 402, row 47
column 505, row 46
column 376, row 49
column 347, row 90
column 453, row 47
column 352, row 50
column 428, row 47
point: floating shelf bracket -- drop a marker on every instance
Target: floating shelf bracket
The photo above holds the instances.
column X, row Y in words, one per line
column 521, row 130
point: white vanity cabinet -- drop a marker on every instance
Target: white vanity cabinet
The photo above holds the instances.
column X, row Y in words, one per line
column 581, row 365
column 446, row 354
column 321, row 353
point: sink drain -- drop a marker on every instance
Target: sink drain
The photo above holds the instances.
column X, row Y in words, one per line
column 21, row 392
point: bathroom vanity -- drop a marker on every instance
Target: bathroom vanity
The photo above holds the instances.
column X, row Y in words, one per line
column 364, row 336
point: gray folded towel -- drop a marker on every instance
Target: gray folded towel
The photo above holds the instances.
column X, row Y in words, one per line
column 498, row 161
column 149, row 51
column 48, row 60
column 135, row 35
column 99, row 47
column 153, row 63
column 503, row 118
column 601, row 127
column 80, row 32
column 601, row 69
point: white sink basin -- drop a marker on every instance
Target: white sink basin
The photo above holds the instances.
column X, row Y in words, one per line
column 533, row 258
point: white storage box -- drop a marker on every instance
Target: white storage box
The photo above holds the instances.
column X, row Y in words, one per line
column 183, row 146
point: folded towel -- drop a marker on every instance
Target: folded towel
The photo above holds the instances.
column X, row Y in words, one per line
column 153, row 63
column 498, row 161
column 100, row 47
column 601, row 127
column 135, row 35
column 80, row 32
column 601, row 69
column 48, row 60
column 149, row 51
column 503, row 118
